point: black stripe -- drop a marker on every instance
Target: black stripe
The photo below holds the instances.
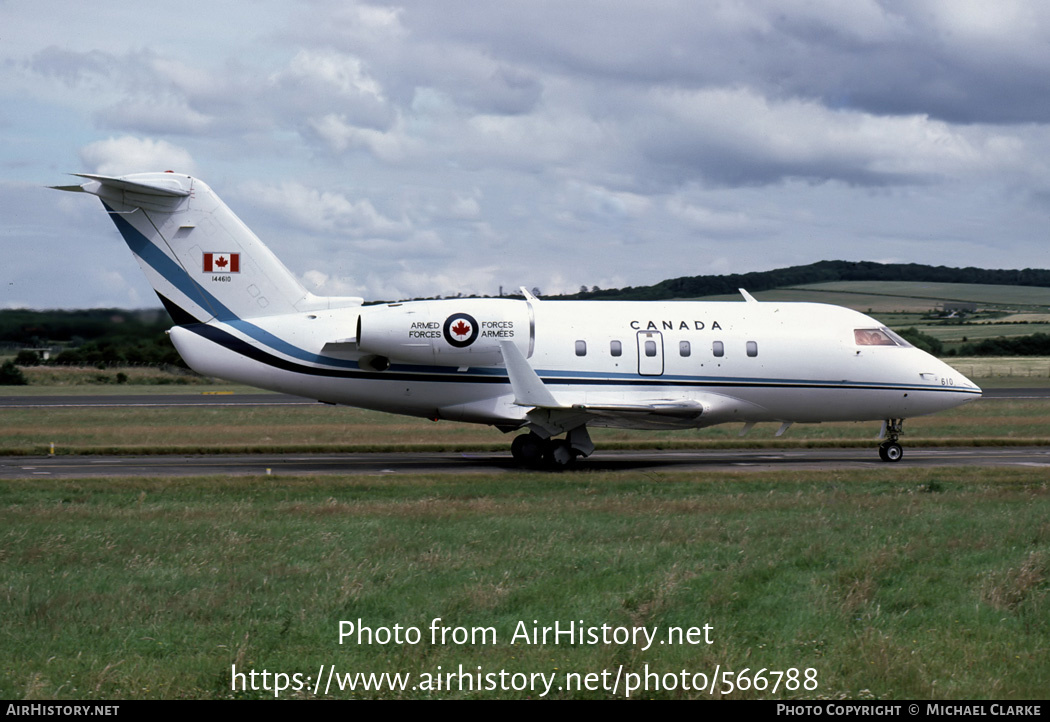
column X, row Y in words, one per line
column 178, row 314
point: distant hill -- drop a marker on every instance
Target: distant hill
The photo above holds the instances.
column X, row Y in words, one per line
column 19, row 327
column 106, row 336
column 25, row 327
column 820, row 272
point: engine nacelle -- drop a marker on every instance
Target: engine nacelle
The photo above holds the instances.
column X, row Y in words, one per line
column 461, row 332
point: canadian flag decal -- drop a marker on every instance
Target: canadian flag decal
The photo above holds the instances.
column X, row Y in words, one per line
column 222, row 262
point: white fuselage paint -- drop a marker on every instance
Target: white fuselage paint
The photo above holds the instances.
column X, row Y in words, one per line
column 806, row 365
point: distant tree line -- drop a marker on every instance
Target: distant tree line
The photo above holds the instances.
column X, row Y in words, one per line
column 95, row 337
column 36, row 328
column 153, row 351
column 115, row 337
column 1037, row 344
column 924, row 341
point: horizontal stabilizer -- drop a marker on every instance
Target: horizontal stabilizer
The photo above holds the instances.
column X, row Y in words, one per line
column 160, row 187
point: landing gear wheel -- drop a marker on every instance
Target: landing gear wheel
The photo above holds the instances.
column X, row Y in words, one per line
column 528, row 449
column 560, row 455
column 535, row 452
column 891, row 451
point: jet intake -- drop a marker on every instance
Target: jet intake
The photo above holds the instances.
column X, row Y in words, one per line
column 460, row 333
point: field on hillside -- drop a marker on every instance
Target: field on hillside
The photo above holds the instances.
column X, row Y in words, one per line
column 911, row 297
column 1005, row 311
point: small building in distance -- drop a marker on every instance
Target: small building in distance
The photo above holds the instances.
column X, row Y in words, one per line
column 955, row 309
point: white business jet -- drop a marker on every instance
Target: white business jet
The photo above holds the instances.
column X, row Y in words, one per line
column 548, row 368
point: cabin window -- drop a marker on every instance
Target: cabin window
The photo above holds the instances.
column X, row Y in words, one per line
column 581, row 348
column 615, row 348
column 684, row 349
column 752, row 348
column 718, row 348
column 650, row 348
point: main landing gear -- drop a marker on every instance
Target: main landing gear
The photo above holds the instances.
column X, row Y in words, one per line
column 533, row 451
column 890, row 449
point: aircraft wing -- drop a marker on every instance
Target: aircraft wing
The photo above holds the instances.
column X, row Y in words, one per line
column 555, row 416
column 528, row 386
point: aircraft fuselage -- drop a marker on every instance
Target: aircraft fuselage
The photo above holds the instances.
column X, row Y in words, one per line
column 738, row 361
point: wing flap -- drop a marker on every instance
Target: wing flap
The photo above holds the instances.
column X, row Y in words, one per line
column 658, row 407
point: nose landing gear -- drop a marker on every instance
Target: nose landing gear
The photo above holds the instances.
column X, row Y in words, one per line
column 890, row 449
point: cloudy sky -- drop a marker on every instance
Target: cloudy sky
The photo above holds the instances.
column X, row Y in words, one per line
column 434, row 147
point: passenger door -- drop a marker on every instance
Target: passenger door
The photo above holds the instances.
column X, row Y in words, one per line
column 650, row 353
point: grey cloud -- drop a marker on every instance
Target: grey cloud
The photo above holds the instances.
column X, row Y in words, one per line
column 885, row 58
column 72, row 68
column 702, row 133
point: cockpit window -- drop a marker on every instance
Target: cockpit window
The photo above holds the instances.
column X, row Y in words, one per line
column 881, row 336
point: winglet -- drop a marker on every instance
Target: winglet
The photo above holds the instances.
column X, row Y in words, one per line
column 528, row 386
column 747, row 296
column 528, row 294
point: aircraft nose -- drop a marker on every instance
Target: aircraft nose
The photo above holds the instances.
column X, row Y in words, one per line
column 944, row 387
column 950, row 377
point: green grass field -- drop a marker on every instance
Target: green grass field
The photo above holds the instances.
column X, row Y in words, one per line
column 321, row 428
column 976, row 332
column 895, row 584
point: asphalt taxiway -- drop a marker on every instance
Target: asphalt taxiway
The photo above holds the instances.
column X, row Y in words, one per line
column 699, row 461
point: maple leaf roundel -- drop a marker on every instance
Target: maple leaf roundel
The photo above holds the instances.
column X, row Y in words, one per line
column 460, row 330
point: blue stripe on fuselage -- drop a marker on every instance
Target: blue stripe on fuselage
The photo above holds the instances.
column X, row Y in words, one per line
column 499, row 376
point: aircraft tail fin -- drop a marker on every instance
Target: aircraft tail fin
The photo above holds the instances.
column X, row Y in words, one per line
column 200, row 258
